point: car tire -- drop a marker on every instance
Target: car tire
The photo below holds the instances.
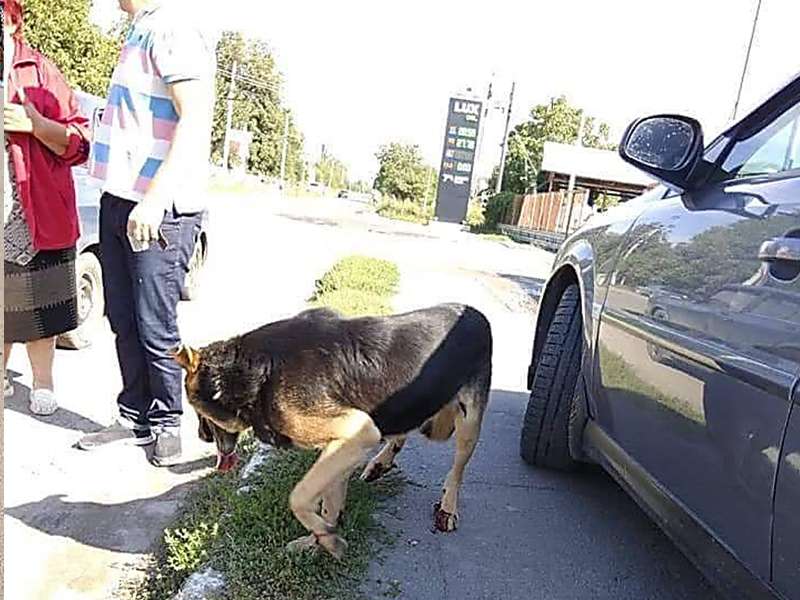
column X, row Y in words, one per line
column 91, row 303
column 191, row 282
column 552, row 412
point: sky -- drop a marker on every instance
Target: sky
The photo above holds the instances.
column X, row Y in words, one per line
column 360, row 74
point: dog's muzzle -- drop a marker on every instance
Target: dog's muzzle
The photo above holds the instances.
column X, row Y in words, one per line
column 226, row 462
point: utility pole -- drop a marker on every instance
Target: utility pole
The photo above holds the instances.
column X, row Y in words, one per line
column 571, row 185
column 285, row 147
column 482, row 130
column 499, row 184
column 746, row 60
column 226, row 150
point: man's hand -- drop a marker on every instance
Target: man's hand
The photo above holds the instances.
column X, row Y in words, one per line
column 20, row 119
column 144, row 221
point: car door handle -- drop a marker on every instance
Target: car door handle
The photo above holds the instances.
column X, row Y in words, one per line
column 783, row 248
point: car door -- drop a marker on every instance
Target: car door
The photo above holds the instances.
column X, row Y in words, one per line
column 786, row 550
column 699, row 341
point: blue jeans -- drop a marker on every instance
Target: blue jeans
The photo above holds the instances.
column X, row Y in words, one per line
column 142, row 290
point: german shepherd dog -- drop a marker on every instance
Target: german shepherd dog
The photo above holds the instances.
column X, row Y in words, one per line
column 342, row 385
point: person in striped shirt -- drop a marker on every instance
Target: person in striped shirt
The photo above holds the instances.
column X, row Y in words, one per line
column 150, row 150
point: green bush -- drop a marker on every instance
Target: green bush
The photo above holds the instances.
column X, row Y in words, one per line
column 360, row 273
column 355, row 303
column 406, row 210
column 476, row 217
column 495, row 208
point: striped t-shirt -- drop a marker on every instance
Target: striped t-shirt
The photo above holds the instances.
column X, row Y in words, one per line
column 138, row 124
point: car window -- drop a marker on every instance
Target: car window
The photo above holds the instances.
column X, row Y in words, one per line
column 777, row 308
column 773, row 149
column 733, row 300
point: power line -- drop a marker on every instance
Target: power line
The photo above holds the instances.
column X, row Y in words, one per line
column 504, row 145
column 747, row 59
column 227, row 73
column 274, row 87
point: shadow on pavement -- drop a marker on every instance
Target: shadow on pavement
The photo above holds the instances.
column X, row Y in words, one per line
column 310, row 220
column 63, row 418
column 206, row 462
column 533, row 286
column 125, row 527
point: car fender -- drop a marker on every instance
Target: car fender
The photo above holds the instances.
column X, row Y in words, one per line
column 574, row 264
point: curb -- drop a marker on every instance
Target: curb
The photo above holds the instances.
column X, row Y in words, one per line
column 208, row 583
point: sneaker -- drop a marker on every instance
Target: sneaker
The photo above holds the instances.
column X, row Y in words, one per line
column 43, row 402
column 114, row 435
column 167, row 451
column 8, row 388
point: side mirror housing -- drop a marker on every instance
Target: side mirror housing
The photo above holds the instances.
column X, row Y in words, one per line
column 668, row 147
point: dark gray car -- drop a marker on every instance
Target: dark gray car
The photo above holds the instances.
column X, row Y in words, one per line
column 667, row 345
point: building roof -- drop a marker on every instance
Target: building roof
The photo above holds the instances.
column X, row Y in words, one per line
column 591, row 163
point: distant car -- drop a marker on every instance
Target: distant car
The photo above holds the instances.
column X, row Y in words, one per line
column 667, row 345
column 88, row 269
column 344, row 194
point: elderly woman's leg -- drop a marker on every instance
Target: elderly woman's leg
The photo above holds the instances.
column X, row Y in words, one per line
column 41, row 354
column 8, row 389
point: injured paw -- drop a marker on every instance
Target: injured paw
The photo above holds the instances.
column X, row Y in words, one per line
column 443, row 520
column 334, row 544
column 374, row 471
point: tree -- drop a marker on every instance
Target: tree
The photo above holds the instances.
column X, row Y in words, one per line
column 331, row 172
column 359, row 186
column 257, row 107
column 403, row 173
column 62, row 31
column 557, row 121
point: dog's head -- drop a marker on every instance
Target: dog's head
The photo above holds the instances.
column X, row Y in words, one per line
column 218, row 423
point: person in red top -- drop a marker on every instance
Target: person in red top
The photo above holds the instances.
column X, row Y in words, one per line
column 45, row 136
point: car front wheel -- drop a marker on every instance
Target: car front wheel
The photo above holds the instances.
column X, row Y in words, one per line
column 89, row 276
column 551, row 414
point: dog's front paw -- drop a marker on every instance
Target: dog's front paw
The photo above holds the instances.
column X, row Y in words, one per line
column 334, row 544
column 374, row 471
column 444, row 521
column 307, row 542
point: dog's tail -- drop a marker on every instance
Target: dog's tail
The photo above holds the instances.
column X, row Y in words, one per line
column 440, row 427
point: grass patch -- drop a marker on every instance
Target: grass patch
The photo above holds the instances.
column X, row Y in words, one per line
column 235, row 186
column 243, row 535
column 496, row 237
column 358, row 285
column 360, row 273
column 406, row 210
column 355, row 303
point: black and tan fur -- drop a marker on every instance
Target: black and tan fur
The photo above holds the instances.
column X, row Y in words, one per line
column 342, row 385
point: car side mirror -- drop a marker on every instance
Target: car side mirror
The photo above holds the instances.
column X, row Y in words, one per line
column 668, row 147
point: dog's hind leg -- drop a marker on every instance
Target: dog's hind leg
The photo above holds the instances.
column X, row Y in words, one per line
column 468, row 427
column 383, row 462
column 350, row 435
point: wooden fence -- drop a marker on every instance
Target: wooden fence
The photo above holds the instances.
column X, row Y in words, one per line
column 547, row 211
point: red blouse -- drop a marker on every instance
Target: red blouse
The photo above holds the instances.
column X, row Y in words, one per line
column 44, row 179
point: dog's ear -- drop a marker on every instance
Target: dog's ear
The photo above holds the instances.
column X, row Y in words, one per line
column 187, row 357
